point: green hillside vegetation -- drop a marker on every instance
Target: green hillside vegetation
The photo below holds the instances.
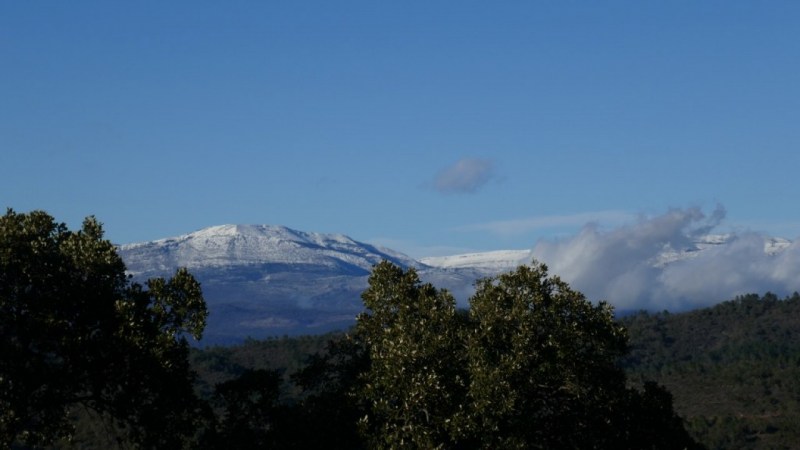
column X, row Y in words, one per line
column 93, row 360
column 79, row 339
column 532, row 364
column 285, row 355
column 733, row 369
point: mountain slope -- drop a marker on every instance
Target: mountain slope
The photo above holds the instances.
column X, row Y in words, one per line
column 734, row 368
column 262, row 280
column 499, row 260
column 253, row 245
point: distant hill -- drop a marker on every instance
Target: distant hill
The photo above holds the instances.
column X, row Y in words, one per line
column 734, row 369
column 262, row 280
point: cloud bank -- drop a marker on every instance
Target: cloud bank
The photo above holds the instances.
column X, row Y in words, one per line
column 466, row 176
column 669, row 262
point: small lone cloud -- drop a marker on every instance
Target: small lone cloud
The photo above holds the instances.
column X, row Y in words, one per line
column 466, row 176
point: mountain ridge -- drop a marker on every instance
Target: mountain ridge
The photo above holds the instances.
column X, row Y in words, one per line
column 267, row 280
column 223, row 245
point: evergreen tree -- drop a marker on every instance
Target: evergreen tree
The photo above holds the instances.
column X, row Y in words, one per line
column 331, row 404
column 250, row 412
column 533, row 365
column 414, row 382
column 541, row 363
column 76, row 333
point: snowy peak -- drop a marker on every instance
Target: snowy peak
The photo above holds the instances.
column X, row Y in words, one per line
column 272, row 233
column 494, row 262
column 238, row 245
column 499, row 260
column 264, row 280
column 669, row 255
column 774, row 246
column 254, row 233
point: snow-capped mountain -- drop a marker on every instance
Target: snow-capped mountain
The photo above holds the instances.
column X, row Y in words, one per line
column 262, row 280
column 494, row 261
column 498, row 261
column 257, row 245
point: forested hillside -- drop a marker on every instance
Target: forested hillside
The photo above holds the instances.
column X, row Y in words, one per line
column 93, row 360
column 733, row 369
column 532, row 364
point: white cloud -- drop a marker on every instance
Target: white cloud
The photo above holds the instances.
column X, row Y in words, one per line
column 620, row 265
column 464, row 177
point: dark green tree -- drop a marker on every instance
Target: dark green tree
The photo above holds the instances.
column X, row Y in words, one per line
column 75, row 332
column 533, row 365
column 331, row 405
column 541, row 362
column 414, row 382
column 543, row 369
column 250, row 411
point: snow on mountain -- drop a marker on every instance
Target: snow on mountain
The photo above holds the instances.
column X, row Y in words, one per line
column 493, row 262
column 245, row 245
column 499, row 260
column 774, row 246
column 670, row 255
column 263, row 280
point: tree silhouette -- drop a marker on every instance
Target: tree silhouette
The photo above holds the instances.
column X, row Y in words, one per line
column 533, row 365
column 76, row 332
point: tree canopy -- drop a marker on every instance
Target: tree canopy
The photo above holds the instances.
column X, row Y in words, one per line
column 532, row 365
column 733, row 369
column 415, row 380
column 75, row 332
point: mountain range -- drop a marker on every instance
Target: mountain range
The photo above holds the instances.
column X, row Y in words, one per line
column 263, row 280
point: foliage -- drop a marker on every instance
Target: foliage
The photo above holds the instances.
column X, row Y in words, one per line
column 218, row 364
column 541, row 363
column 92, row 360
column 76, row 333
column 331, row 404
column 415, row 381
column 734, row 368
column 734, row 371
column 250, row 410
column 316, row 380
column 532, row 366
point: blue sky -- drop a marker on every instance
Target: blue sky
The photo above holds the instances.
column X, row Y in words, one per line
column 430, row 127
